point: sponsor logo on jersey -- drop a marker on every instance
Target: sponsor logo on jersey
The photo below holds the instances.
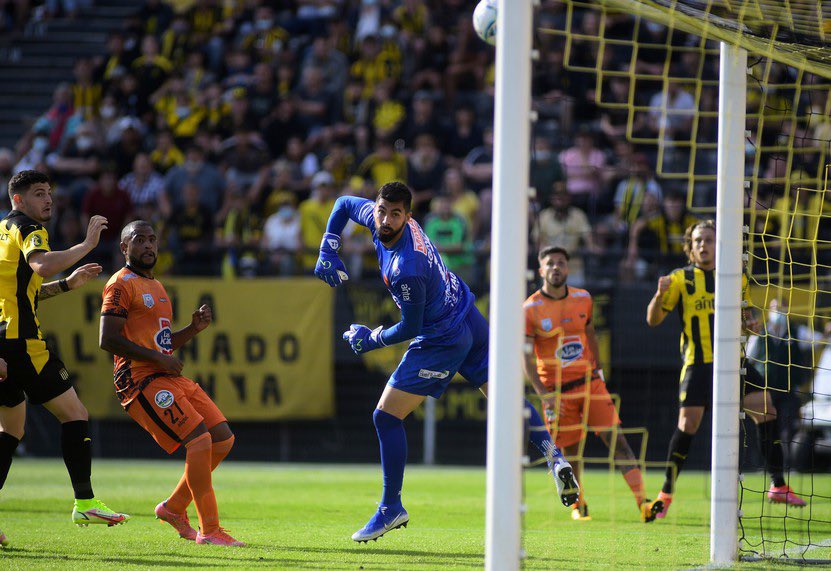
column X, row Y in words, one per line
column 162, row 300
column 427, row 374
column 705, row 302
column 37, row 241
column 419, row 244
column 128, row 277
column 546, row 324
column 405, row 292
column 164, row 337
column 163, row 398
column 568, row 319
column 570, row 350
column 148, row 300
column 575, row 293
column 534, row 303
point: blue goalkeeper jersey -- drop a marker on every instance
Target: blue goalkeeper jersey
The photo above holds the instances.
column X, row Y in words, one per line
column 414, row 272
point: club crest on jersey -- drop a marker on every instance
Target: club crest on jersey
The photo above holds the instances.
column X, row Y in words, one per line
column 163, row 398
column 164, row 337
column 569, row 351
column 37, row 241
column 148, row 300
column 546, row 324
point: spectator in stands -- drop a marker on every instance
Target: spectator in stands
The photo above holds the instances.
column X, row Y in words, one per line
column 192, row 234
column 281, row 125
column 425, row 171
column 314, row 104
column 146, row 189
column 447, row 230
column 166, row 155
column 657, row 238
column 79, row 159
column 630, row 194
column 151, row 69
column 262, row 94
column 156, row 16
column 562, row 224
column 272, row 188
column 583, row 165
column 304, row 162
column 209, row 182
column 243, row 155
column 545, row 169
column 109, row 200
column 384, row 165
column 129, row 144
column 314, row 214
column 421, row 119
column 478, row 164
column 464, row 135
column 386, row 113
column 115, row 62
column 323, row 55
column 55, row 119
column 267, row 39
column 671, row 112
column 86, row 91
column 176, row 42
column 463, row 201
column 281, row 237
column 239, row 235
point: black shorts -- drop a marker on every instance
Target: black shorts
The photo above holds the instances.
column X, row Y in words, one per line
column 697, row 384
column 34, row 373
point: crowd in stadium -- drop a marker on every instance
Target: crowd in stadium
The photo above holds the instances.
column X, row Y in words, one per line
column 233, row 126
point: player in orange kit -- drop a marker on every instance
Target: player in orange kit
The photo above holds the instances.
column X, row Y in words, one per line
column 136, row 321
column 558, row 325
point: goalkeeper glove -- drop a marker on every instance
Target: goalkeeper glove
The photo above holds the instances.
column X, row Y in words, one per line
column 362, row 339
column 329, row 267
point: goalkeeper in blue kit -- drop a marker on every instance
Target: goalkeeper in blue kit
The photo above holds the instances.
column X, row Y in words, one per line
column 447, row 335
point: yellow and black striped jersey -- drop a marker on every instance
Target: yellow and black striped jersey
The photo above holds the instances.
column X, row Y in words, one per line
column 693, row 291
column 20, row 237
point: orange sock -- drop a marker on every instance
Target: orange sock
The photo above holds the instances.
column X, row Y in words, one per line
column 198, row 475
column 181, row 497
column 635, row 480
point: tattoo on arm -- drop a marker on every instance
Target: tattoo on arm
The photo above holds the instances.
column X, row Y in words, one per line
column 49, row 290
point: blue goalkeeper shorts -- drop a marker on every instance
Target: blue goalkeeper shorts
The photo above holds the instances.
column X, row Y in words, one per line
column 430, row 364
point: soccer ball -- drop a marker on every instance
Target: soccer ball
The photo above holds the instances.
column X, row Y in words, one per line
column 484, row 20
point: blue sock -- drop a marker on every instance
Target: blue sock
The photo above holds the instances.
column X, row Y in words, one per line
column 540, row 437
column 393, row 441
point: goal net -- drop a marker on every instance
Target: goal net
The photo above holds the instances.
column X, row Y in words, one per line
column 647, row 74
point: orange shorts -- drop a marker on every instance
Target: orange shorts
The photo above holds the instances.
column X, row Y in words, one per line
column 170, row 408
column 586, row 405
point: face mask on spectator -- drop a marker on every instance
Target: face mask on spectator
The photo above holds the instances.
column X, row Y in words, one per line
column 264, row 24
column 107, row 112
column 182, row 111
column 285, row 212
column 84, row 143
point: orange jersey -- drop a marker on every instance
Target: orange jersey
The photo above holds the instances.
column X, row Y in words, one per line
column 558, row 327
column 144, row 303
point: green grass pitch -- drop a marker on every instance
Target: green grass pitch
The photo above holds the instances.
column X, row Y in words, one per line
column 301, row 517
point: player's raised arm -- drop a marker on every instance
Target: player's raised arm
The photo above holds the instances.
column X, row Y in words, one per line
column 655, row 312
column 329, row 267
column 199, row 321
column 75, row 280
column 46, row 263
